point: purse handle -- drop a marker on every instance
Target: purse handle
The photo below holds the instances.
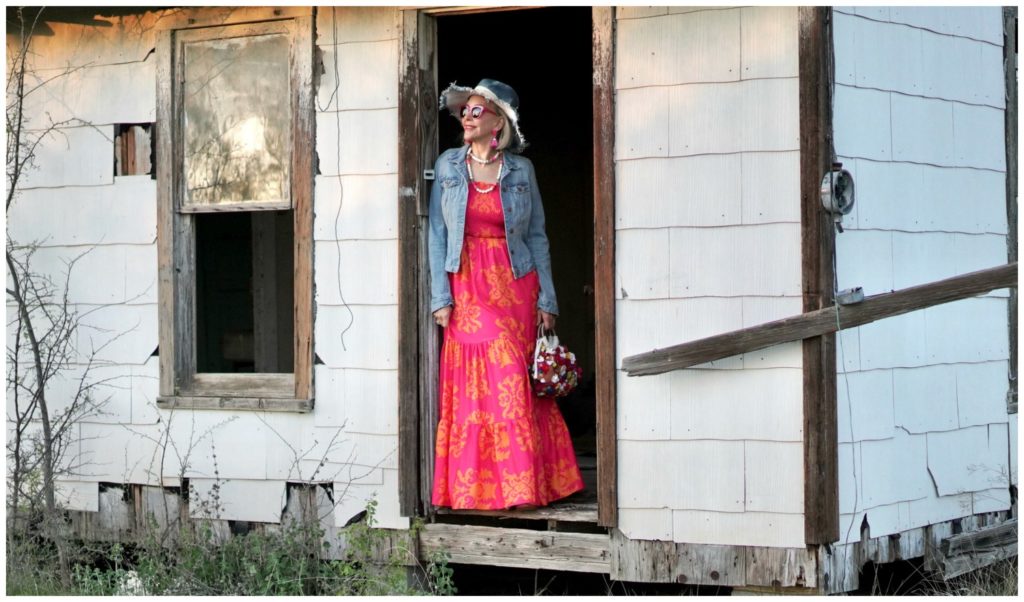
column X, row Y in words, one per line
column 548, row 342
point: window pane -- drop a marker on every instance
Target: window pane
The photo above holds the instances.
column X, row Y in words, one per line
column 237, row 114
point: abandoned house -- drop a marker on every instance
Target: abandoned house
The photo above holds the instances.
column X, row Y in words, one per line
column 775, row 393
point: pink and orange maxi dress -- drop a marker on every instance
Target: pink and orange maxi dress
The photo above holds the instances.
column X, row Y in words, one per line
column 498, row 445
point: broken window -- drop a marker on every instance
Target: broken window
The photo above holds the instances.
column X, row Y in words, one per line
column 235, row 188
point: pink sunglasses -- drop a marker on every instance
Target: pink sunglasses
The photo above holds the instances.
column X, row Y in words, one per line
column 475, row 111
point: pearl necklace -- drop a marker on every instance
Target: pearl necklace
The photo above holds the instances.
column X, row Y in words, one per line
column 472, row 180
column 496, row 156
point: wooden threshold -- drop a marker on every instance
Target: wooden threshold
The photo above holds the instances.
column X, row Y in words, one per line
column 518, row 548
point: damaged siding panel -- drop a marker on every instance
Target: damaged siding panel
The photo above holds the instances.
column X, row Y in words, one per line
column 871, row 417
column 351, row 498
column 77, row 495
column 128, row 208
column 647, row 524
column 887, row 481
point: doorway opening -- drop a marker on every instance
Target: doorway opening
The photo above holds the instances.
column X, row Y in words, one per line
column 545, row 54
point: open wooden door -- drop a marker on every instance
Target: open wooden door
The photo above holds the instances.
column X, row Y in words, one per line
column 568, row 120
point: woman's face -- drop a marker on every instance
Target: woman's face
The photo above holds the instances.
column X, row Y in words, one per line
column 479, row 129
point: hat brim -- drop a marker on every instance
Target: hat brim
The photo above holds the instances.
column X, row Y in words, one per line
column 455, row 96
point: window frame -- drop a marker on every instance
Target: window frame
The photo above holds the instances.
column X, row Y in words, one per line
column 181, row 386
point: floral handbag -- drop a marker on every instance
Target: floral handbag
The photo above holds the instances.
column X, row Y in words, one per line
column 555, row 372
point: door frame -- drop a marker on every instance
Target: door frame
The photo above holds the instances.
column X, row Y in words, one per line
column 419, row 338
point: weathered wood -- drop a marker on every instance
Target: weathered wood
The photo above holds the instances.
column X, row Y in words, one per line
column 303, row 175
column 822, row 321
column 409, row 268
column 782, row 567
column 565, row 513
column 604, row 260
column 1010, row 73
column 165, row 211
column 518, row 548
column 983, row 540
column 429, row 334
column 268, row 385
column 965, row 563
column 755, row 590
column 817, row 242
column 235, row 403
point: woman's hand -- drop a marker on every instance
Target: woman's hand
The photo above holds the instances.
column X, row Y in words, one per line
column 442, row 315
column 546, row 318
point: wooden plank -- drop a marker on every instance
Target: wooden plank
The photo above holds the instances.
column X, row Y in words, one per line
column 166, row 274
column 983, row 540
column 604, row 260
column 518, row 548
column 960, row 565
column 268, row 385
column 1010, row 75
column 408, row 266
column 671, row 562
column 303, row 173
column 235, row 403
column 821, row 482
column 559, row 512
column 821, row 321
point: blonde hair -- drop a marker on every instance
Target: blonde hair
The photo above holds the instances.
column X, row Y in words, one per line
column 505, row 136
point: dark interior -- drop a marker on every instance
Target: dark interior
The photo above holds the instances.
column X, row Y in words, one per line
column 545, row 54
column 244, row 291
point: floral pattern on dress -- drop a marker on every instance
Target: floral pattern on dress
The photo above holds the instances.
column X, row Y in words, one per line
column 497, row 444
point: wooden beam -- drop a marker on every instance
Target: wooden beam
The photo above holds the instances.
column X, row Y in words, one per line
column 817, row 248
column 822, row 321
column 562, row 512
column 982, row 540
column 1010, row 74
column 409, row 188
column 604, row 261
column 303, row 174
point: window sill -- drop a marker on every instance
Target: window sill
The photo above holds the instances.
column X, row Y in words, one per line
column 260, row 404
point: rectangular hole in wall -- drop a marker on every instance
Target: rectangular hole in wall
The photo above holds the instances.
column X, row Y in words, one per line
column 134, row 149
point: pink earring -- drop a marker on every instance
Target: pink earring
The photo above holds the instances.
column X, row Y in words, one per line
column 494, row 138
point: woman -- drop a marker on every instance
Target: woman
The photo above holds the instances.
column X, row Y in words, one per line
column 498, row 445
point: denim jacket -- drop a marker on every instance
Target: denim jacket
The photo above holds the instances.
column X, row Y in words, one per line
column 524, row 224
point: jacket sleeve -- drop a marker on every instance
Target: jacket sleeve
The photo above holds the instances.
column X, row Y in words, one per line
column 437, row 247
column 537, row 242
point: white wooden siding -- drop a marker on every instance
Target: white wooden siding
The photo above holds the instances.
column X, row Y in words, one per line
column 367, row 142
column 71, row 156
column 360, row 67
column 77, row 495
column 128, row 208
column 928, row 82
column 735, row 528
column 708, row 241
column 684, row 191
column 363, row 203
column 736, row 404
column 92, row 95
column 234, row 499
column 644, row 404
column 703, row 475
column 871, row 417
column 352, row 432
column 344, row 269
